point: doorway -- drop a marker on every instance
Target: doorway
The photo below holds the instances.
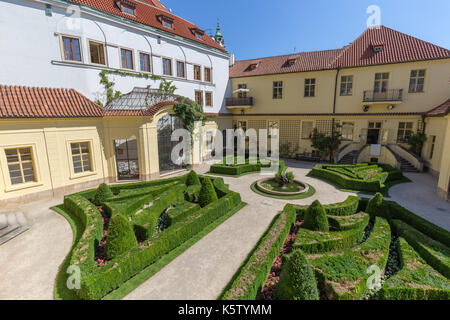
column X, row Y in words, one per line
column 127, row 160
column 166, row 126
column 373, row 133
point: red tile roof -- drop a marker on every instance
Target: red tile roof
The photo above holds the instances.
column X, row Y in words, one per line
column 440, row 111
column 397, row 47
column 305, row 61
column 27, row 102
column 147, row 12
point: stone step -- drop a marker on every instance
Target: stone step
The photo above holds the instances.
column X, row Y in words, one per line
column 8, row 229
column 14, row 232
column 3, row 221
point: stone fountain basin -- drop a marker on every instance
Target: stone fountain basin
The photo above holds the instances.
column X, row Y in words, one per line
column 260, row 187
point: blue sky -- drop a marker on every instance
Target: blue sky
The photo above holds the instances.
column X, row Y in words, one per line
column 260, row 28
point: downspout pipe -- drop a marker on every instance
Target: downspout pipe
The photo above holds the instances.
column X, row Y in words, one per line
column 334, row 103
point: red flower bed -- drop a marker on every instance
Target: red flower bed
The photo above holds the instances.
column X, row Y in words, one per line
column 274, row 274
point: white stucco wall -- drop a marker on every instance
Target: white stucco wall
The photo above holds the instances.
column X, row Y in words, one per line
column 31, row 53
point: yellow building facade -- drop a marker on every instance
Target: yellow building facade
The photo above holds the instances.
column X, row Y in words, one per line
column 374, row 91
column 46, row 156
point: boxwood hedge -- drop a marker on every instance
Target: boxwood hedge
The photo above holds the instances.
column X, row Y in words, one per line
column 374, row 184
column 249, row 279
column 434, row 253
column 97, row 281
column 416, row 280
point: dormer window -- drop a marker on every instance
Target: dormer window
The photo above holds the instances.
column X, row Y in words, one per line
column 378, row 47
column 291, row 62
column 127, row 7
column 252, row 66
column 166, row 21
column 198, row 33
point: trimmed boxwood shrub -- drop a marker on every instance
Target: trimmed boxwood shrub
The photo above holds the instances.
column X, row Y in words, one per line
column 297, row 281
column 247, row 282
column 192, row 179
column 343, row 223
column 120, row 237
column 415, row 280
column 434, row 253
column 103, row 193
column 316, row 218
column 207, row 193
column 375, row 205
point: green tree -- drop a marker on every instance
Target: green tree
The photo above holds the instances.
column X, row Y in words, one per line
column 416, row 142
column 327, row 145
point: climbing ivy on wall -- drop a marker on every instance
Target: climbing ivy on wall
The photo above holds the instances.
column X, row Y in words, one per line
column 189, row 112
column 111, row 94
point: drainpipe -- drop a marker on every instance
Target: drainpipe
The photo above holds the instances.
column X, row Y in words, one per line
column 334, row 103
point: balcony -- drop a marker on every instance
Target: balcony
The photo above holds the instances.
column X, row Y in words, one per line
column 393, row 96
column 239, row 103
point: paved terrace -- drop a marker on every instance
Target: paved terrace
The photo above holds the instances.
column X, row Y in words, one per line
column 29, row 263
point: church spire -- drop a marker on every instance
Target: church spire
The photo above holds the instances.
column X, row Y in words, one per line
column 219, row 37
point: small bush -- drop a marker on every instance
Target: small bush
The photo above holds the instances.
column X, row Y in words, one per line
column 375, row 205
column 316, row 218
column 297, row 281
column 192, row 179
column 207, row 193
column 102, row 194
column 120, row 237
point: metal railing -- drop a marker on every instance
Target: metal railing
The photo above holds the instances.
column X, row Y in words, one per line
column 231, row 102
column 389, row 95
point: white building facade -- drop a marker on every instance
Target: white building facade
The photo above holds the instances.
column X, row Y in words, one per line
column 62, row 44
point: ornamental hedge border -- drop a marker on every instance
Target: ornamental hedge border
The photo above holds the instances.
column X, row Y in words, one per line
column 96, row 282
column 346, row 208
column 348, row 270
column 238, row 169
column 415, row 284
column 372, row 185
column 250, row 277
column 318, row 242
column 434, row 253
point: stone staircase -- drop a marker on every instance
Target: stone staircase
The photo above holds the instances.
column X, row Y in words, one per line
column 11, row 225
column 348, row 158
column 406, row 166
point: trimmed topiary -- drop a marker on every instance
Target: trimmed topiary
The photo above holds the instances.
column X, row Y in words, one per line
column 102, row 194
column 375, row 206
column 316, row 218
column 192, row 179
column 297, row 281
column 207, row 193
column 120, row 237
